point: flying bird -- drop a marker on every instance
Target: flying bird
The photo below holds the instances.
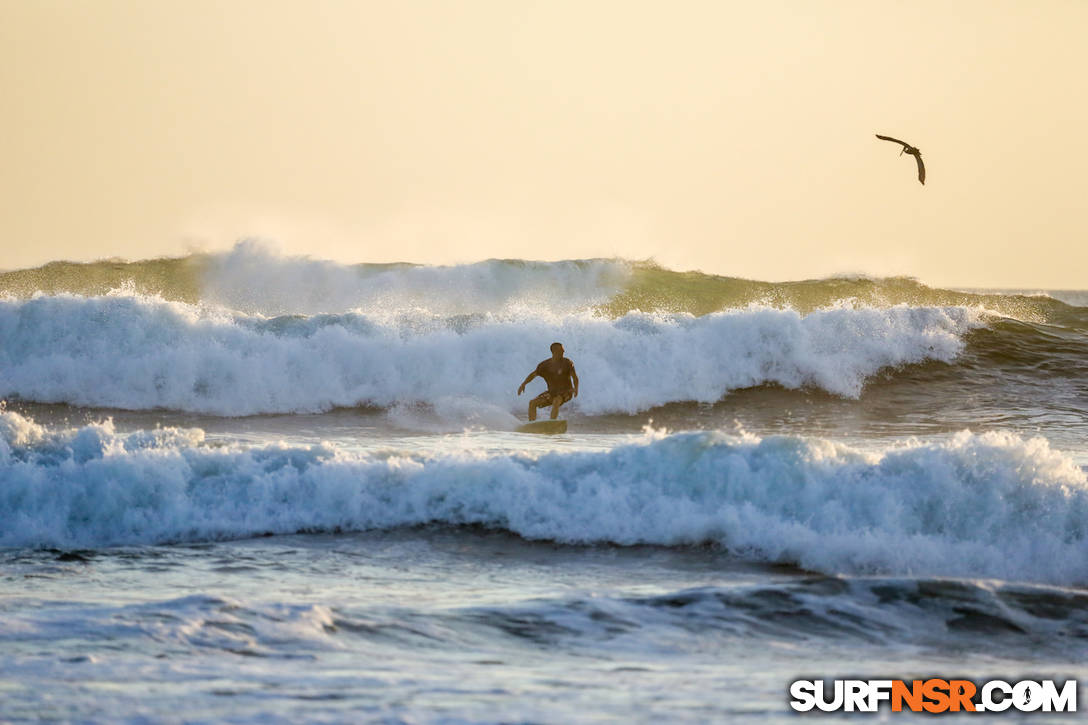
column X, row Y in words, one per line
column 913, row 151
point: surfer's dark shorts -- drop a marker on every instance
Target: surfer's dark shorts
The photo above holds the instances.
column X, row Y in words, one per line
column 549, row 398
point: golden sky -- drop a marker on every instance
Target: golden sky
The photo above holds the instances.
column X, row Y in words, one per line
column 732, row 137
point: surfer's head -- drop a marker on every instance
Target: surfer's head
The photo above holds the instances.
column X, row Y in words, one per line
column 557, row 349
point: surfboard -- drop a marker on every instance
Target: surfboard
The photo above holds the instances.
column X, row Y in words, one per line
column 544, row 426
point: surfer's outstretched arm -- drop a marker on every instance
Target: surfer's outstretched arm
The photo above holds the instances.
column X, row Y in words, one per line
column 521, row 388
column 574, row 377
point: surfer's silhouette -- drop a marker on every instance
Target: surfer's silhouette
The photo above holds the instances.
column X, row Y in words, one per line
column 913, row 151
column 558, row 373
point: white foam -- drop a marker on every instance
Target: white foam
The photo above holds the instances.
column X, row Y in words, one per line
column 133, row 352
column 991, row 505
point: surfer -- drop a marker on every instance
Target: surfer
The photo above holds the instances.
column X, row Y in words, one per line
column 558, row 373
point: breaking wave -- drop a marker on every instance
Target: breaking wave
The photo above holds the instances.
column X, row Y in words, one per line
column 140, row 353
column 990, row 505
column 252, row 279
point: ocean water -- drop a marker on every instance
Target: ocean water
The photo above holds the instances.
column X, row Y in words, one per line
column 246, row 487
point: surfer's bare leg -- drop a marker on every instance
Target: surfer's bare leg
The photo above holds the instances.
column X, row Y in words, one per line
column 555, row 407
column 532, row 410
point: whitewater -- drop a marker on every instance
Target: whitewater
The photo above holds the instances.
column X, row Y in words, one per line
column 253, row 487
column 138, row 353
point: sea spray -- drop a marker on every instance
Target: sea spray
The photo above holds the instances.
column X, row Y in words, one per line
column 251, row 279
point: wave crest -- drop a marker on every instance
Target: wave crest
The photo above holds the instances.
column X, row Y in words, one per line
column 252, row 278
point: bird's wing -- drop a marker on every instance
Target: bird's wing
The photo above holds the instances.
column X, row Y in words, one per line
column 889, row 138
column 921, row 169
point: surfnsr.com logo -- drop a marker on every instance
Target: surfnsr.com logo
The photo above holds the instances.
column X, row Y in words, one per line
column 933, row 695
